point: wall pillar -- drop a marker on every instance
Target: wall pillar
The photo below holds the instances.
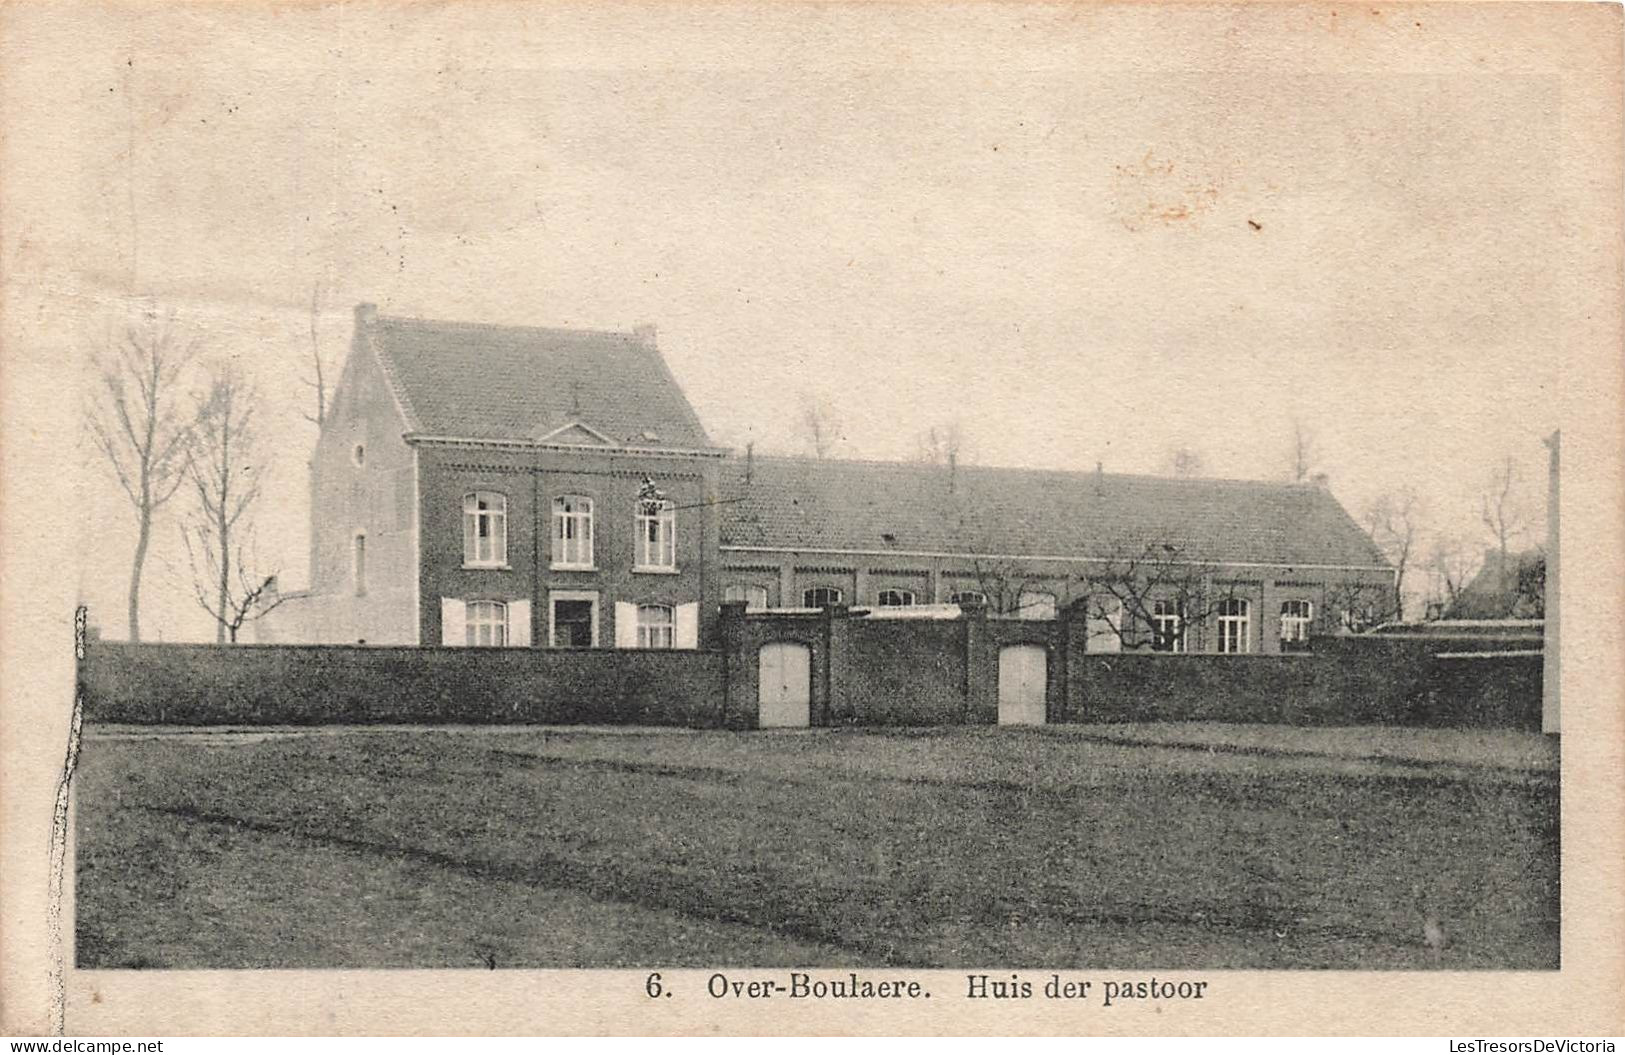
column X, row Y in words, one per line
column 1269, row 617
column 1060, row 661
column 731, row 627
column 837, row 706
column 981, row 685
column 1073, row 631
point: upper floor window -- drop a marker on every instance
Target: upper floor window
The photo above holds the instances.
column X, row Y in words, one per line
column 894, row 598
column 1035, row 604
column 487, row 624
column 755, row 597
column 657, row 535
column 655, row 626
column 967, row 597
column 1167, row 626
column 1295, row 619
column 819, row 596
column 485, row 529
column 1235, row 626
column 572, row 532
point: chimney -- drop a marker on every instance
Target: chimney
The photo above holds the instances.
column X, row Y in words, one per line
column 1321, row 480
column 645, row 333
column 365, row 314
column 953, row 469
column 1100, row 477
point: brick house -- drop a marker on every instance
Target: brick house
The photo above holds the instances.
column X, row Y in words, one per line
column 523, row 487
column 494, row 485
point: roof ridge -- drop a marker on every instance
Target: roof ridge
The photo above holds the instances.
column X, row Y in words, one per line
column 629, row 336
column 1308, row 488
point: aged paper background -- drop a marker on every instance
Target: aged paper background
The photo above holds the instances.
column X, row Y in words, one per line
column 85, row 86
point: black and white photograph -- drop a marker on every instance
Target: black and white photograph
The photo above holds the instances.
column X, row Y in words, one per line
column 833, row 497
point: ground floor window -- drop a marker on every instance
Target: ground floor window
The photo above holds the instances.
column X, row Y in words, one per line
column 655, row 626
column 819, row 596
column 894, row 598
column 1035, row 604
column 755, row 597
column 1104, row 625
column 1235, row 623
column 1167, row 627
column 967, row 597
column 1295, row 620
column 487, row 624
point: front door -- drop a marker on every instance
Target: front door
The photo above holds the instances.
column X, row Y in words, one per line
column 784, row 686
column 1023, row 675
column 572, row 624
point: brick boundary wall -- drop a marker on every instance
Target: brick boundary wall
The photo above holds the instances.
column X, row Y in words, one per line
column 863, row 672
column 341, row 684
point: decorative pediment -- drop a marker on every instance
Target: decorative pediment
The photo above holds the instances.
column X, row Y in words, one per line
column 578, row 433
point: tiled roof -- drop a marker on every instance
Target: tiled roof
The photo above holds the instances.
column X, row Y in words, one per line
column 478, row 381
column 792, row 503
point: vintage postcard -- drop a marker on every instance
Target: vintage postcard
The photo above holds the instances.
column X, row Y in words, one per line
column 1023, row 518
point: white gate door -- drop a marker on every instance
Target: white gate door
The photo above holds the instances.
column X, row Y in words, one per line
column 1023, row 674
column 784, row 686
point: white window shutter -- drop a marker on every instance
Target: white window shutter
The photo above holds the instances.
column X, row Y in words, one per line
column 453, row 622
column 626, row 625
column 686, row 633
column 519, row 624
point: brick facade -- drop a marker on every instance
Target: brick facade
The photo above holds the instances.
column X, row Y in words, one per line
column 530, row 480
column 786, row 575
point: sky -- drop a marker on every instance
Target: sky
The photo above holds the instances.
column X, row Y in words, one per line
column 1084, row 234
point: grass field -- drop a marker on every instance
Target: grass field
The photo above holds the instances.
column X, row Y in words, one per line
column 1077, row 846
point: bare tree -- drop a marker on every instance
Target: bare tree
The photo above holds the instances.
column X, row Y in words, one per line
column 1529, row 598
column 1186, row 462
column 1392, row 519
column 1450, row 566
column 941, row 444
column 319, row 382
column 1008, row 585
column 138, row 422
column 821, row 428
column 225, row 486
column 250, row 596
column 1504, row 516
column 1304, row 454
column 1358, row 605
column 1153, row 596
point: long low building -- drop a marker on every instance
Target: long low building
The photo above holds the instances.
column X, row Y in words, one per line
column 1167, row 564
column 501, row 486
